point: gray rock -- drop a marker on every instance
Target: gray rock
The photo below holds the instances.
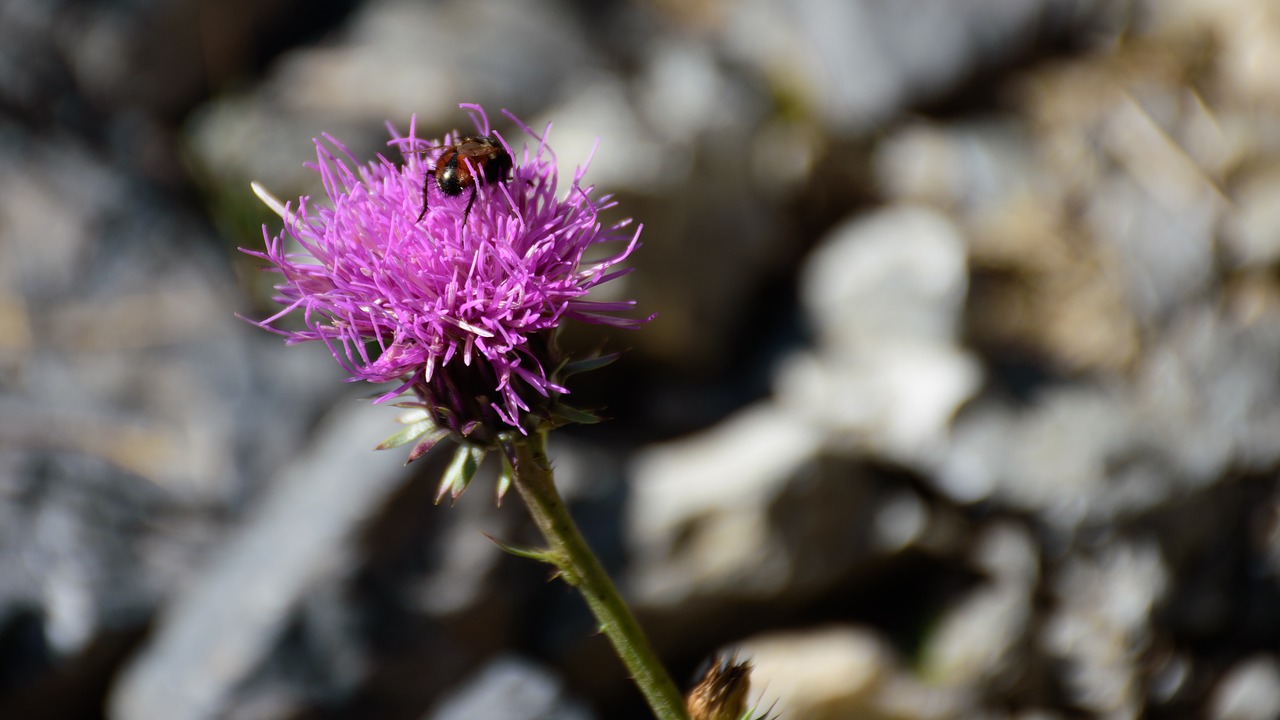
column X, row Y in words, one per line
column 859, row 63
column 1201, row 401
column 1163, row 244
column 972, row 168
column 132, row 407
column 222, row 626
column 377, row 70
column 1252, row 233
column 980, row 640
column 1103, row 625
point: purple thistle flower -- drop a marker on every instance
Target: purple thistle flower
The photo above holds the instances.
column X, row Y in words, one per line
column 462, row 313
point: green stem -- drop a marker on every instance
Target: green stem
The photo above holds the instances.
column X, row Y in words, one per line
column 580, row 568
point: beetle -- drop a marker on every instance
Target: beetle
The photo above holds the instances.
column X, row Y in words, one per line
column 460, row 163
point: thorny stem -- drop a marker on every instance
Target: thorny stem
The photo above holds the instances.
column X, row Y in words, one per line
column 580, row 568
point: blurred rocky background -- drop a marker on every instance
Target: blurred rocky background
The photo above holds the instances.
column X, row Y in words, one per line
column 963, row 400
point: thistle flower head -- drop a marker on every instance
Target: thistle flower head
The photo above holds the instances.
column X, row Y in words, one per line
column 459, row 308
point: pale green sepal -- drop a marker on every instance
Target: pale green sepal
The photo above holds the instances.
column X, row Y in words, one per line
column 407, row 435
column 505, row 478
column 425, row 444
column 460, row 472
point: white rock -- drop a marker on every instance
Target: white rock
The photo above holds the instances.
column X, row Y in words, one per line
column 896, row 398
column 825, row 673
column 1249, row 691
column 836, row 673
column 600, row 113
column 885, row 293
column 514, row 689
column 683, row 93
column 897, row 273
column 709, row 493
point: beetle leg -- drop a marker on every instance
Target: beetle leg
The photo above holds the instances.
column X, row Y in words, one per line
column 467, row 213
column 426, row 182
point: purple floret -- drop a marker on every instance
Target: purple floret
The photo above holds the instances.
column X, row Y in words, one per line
column 401, row 300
